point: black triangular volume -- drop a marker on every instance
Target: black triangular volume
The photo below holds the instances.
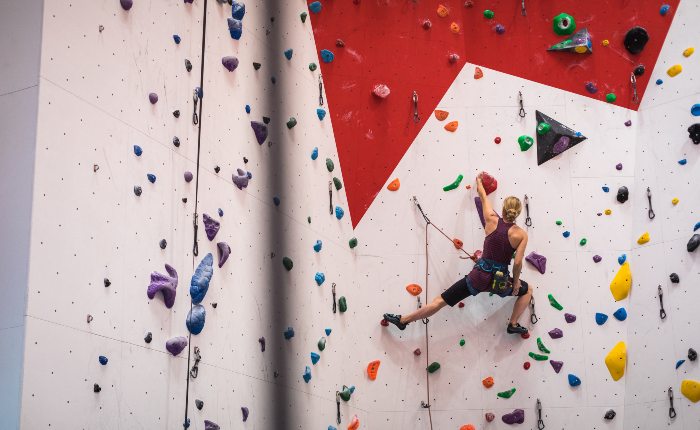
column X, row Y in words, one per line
column 558, row 139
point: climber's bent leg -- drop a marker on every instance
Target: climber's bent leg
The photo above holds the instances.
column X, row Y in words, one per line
column 521, row 304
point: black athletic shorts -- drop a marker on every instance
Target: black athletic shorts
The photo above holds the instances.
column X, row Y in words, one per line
column 463, row 289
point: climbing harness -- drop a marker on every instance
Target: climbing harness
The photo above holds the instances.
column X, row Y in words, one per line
column 335, row 309
column 195, row 98
column 528, row 221
column 662, row 312
column 522, row 112
column 320, row 90
column 522, row 8
column 499, row 271
column 330, row 196
column 671, row 410
column 540, row 423
column 337, row 405
column 533, row 316
column 416, row 117
column 652, row 215
column 633, row 81
column 197, row 358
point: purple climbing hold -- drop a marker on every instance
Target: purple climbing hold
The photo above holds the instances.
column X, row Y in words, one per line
column 537, row 260
column 260, row 131
column 126, row 4
column 245, row 412
column 165, row 284
column 189, row 176
column 211, row 226
column 628, row 123
column 210, row 425
column 499, row 28
column 241, row 179
column 480, row 210
column 591, row 87
column 556, row 365
column 176, row 345
column 199, row 284
column 619, row 166
column 235, row 28
column 561, row 145
column 195, row 319
column 262, row 344
column 556, row 333
column 153, row 98
column 224, row 251
column 569, row 317
column 230, row 62
column 515, row 417
column 597, row 258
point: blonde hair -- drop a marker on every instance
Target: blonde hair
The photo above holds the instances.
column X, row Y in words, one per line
column 511, row 208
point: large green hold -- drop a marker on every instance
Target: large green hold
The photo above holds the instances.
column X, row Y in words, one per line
column 541, row 347
column 454, row 184
column 507, row 394
column 329, row 164
column 287, row 263
column 337, row 183
column 434, row 366
column 525, row 142
column 342, row 304
column 564, row 24
column 555, row 304
column 352, row 243
column 322, row 344
column 543, row 128
column 537, row 357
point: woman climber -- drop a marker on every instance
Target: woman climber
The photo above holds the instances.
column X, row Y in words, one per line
column 490, row 273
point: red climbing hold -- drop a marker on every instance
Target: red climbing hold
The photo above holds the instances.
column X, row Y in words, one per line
column 384, row 323
column 525, row 335
column 372, row 369
column 497, row 140
column 467, row 427
column 416, row 352
column 441, row 115
column 394, row 185
column 451, row 126
column 478, row 74
column 414, row 289
column 461, row 304
column 526, row 365
column 490, row 183
column 476, row 255
column 457, row 243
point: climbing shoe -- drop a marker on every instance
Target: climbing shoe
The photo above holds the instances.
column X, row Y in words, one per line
column 516, row 329
column 396, row 320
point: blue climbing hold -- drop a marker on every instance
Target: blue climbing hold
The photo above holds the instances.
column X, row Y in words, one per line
column 307, row 374
column 327, row 56
column 578, row 134
column 659, row 81
column 339, row 212
column 221, row 212
column 328, row 332
column 320, row 278
column 574, row 380
column 314, row 154
column 200, row 92
column 104, row 360
column 683, row 162
column 321, row 113
column 606, row 189
column 137, row 150
column 315, row 7
column 332, row 428
column 177, row 39
column 621, row 259
column 195, row 319
column 235, row 28
column 199, row 285
column 247, row 108
column 314, row 358
column 288, row 53
column 697, row 226
column 620, row 314
column 237, row 10
column 600, row 318
column 289, row 333
column 566, row 233
column 679, row 362
column 151, row 178
column 318, row 245
column 695, row 110
column 664, row 9
column 276, row 201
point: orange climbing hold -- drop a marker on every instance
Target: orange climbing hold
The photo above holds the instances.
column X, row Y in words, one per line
column 478, row 73
column 372, row 369
column 442, row 11
column 488, row 382
column 394, row 185
column 454, row 27
column 467, row 427
column 441, row 115
column 354, row 423
column 451, row 126
column 414, row 289
column 457, row 243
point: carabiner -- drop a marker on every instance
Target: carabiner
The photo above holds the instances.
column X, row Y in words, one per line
column 662, row 312
column 633, row 80
column 416, row 117
column 195, row 98
column 320, row 90
column 528, row 221
column 522, row 107
column 652, row 215
column 671, row 410
column 533, row 316
column 540, row 423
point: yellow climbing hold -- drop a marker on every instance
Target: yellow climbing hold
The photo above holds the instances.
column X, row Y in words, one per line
column 688, row 52
column 616, row 360
column 674, row 70
column 622, row 283
column 675, row 201
column 691, row 390
column 643, row 238
column 605, row 42
column 608, row 212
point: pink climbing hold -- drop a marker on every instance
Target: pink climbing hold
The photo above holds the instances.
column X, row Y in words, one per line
column 176, row 345
column 556, row 333
column 165, row 284
column 537, row 260
column 381, row 90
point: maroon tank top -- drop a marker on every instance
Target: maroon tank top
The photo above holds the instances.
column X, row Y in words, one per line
column 497, row 247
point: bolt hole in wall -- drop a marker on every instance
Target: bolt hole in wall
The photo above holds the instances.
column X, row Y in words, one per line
column 381, row 107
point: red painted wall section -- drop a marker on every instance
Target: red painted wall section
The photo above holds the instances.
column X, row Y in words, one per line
column 385, row 42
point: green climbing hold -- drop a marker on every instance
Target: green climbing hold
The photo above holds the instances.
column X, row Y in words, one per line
column 287, row 263
column 538, row 357
column 352, row 243
column 541, row 346
column 434, row 366
column 462, row 342
column 525, row 142
column 312, row 66
column 583, row 241
column 291, row 123
column 337, row 183
column 488, row 14
column 342, row 304
column 564, row 24
column 303, row 16
column 329, row 164
column 559, row 222
column 543, row 128
column 506, row 394
column 610, row 97
column 454, row 184
column 555, row 304
column 322, row 344
column 346, row 392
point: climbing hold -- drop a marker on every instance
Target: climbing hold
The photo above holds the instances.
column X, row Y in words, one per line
column 489, row 416
column 346, row 392
column 372, row 369
column 198, row 404
column 597, row 258
column 566, row 233
column 600, row 318
column 694, row 110
column 606, row 189
column 313, row 66
column 176, row 345
column 556, row 365
column 497, row 140
column 454, row 184
column 675, row 201
column 208, row 425
column 628, row 123
column 692, row 354
column 616, row 360
column 478, row 73
column 195, row 319
column 235, row 28
column 230, row 63
column 610, row 97
column 515, row 417
column 688, row 52
column 318, row 245
column 211, row 226
column 342, row 304
column 693, row 243
column 221, row 212
column 541, row 347
column 664, row 9
column 591, row 87
column 442, row 11
column 166, row 284
column 674, row 278
column 384, row 323
column 103, row 360
column 441, row 115
column 683, row 162
column 199, row 285
column 454, row 27
column 583, row 242
column 487, row 382
column 245, row 412
column 321, row 113
column 679, row 363
column 674, row 70
column 620, row 314
column 148, row 338
column 427, row 24
column 644, row 238
column 303, row 16
column 610, row 414
column 579, row 43
column 315, row 7
column 659, row 81
column 320, row 278
column 287, row 263
column 416, row 352
column 462, row 342
column 467, row 427
column 638, row 71
column 554, row 303
column 452, row 126
column 538, row 357
column 354, row 423
column 394, row 185
column 635, row 40
column 138, row 151
column 506, row 394
column 499, row 28
column 126, row 4
column 558, row 140
column 321, row 344
column 314, row 153
column 329, row 164
column 381, row 91
column 188, row 176
column 291, row 123
column 622, row 282
column 336, row 182
column 574, row 380
column 241, row 178
column 96, row 388
column 339, row 212
column 489, row 182
column 314, row 358
column 564, row 24
column 289, row 333
column 525, row 142
column 488, row 14
column 261, row 341
column 237, row 9
column 558, row 222
column 623, row 194
column 433, row 367
column 260, row 131
column 556, row 333
column 460, row 305
column 569, row 317
column 543, row 128
column 458, row 244
column 414, row 289
column 526, row 365
column 307, row 374
column 691, row 390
